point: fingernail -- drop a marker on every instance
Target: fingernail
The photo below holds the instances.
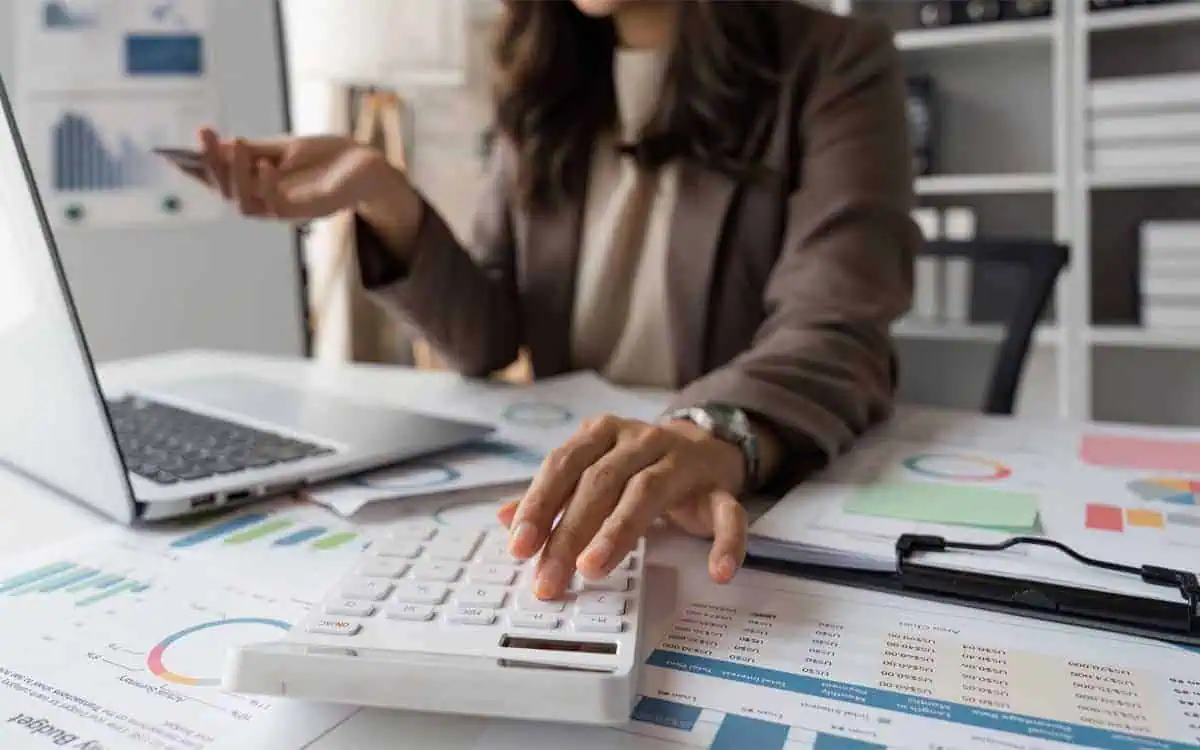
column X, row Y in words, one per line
column 550, row 579
column 597, row 553
column 727, row 566
column 522, row 539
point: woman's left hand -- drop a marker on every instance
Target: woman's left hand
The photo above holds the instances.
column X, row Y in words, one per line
column 610, row 482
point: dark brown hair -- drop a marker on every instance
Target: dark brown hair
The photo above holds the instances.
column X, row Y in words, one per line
column 555, row 97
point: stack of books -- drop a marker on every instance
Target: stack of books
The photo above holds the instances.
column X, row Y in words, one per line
column 1170, row 273
column 1140, row 123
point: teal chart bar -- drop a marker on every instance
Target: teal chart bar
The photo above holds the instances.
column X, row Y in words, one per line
column 34, row 576
column 300, row 537
column 218, row 530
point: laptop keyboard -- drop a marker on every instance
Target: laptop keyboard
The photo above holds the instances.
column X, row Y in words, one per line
column 167, row 444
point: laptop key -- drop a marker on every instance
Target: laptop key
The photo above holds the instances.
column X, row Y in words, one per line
column 167, row 444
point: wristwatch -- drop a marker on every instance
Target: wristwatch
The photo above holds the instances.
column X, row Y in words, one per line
column 732, row 425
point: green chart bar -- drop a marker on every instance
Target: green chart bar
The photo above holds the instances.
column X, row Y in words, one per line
column 257, row 532
column 333, row 541
column 132, row 587
column 34, row 576
column 102, row 582
column 63, row 581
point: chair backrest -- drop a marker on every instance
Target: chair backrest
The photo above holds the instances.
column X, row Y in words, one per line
column 1042, row 261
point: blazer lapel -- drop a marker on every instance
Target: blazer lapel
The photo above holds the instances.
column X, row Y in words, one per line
column 702, row 203
column 552, row 255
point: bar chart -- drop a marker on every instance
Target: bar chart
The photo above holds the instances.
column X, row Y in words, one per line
column 266, row 528
column 714, row 730
column 88, row 586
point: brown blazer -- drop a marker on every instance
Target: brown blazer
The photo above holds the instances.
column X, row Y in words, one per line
column 781, row 297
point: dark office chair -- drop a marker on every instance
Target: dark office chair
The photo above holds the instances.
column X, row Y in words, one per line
column 1042, row 261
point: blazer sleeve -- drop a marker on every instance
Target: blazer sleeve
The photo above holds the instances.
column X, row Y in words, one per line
column 461, row 298
column 821, row 369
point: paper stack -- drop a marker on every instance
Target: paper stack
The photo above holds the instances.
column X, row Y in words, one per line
column 1145, row 123
column 1170, row 273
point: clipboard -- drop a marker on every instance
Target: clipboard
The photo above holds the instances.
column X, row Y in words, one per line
column 1176, row 622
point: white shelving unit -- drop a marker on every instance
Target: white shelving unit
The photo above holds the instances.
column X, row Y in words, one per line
column 1012, row 99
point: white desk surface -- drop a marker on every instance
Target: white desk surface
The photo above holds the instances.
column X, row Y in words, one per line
column 29, row 521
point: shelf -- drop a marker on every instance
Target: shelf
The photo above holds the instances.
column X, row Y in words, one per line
column 1137, row 337
column 1129, row 18
column 1151, row 178
column 997, row 33
column 985, row 184
column 969, row 332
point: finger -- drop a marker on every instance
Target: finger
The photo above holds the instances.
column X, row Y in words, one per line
column 729, row 536
column 243, row 180
column 217, row 166
column 555, row 482
column 596, row 495
column 268, row 187
column 643, row 500
column 507, row 511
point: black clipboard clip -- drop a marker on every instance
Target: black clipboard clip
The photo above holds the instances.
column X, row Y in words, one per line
column 1179, row 619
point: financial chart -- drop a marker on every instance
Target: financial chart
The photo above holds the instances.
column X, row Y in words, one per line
column 121, row 642
column 770, row 669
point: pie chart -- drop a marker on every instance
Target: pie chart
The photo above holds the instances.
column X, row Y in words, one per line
column 1174, row 491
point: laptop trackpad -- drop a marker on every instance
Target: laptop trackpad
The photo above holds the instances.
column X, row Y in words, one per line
column 294, row 408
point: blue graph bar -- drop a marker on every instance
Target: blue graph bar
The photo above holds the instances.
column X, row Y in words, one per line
column 62, row 581
column 300, row 537
column 830, row 742
column 34, row 576
column 666, row 713
column 742, row 732
column 221, row 529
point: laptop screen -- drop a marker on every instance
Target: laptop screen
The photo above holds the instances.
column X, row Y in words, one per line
column 53, row 425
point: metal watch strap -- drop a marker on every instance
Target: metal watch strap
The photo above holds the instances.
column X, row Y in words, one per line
column 721, row 422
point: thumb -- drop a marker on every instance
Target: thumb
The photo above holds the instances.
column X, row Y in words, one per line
column 729, row 536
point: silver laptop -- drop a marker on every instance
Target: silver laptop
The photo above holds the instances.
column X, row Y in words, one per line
column 176, row 449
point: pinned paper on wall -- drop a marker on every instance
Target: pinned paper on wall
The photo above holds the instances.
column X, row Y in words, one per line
column 100, row 84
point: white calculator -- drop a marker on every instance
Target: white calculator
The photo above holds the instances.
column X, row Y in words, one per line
column 444, row 620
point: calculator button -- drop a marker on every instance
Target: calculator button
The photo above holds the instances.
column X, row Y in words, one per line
column 452, row 552
column 405, row 548
column 419, row 532
column 589, row 603
column 436, row 571
column 471, row 616
column 480, row 596
column 608, row 583
column 467, row 538
column 381, row 567
column 597, row 623
column 415, row 612
column 415, row 592
column 533, row 620
column 373, row 589
column 500, row 575
column 334, row 627
column 351, row 608
column 529, row 603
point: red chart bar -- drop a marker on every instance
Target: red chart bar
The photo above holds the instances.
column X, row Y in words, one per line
column 1104, row 518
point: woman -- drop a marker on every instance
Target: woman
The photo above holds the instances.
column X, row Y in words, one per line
column 706, row 196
